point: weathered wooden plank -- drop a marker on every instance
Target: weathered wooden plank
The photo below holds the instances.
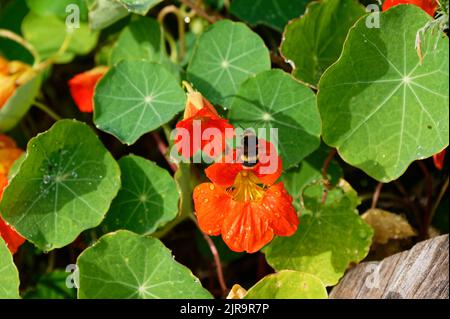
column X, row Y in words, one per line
column 421, row 272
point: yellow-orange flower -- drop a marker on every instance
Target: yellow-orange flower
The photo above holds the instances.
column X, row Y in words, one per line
column 9, row 153
column 12, row 75
column 247, row 207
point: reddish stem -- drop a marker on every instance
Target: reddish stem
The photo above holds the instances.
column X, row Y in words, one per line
column 202, row 13
column 376, row 195
column 326, row 165
column 429, row 205
column 215, row 253
column 163, row 149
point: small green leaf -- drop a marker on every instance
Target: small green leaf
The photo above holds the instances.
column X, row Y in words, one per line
column 390, row 109
column 147, row 200
column 227, row 54
column 309, row 172
column 126, row 265
column 274, row 99
column 136, row 97
column 142, row 39
column 273, row 13
column 314, row 41
column 288, row 284
column 65, row 185
column 330, row 236
column 19, row 103
column 59, row 8
column 48, row 33
column 103, row 13
column 51, row 286
column 9, row 276
column 141, row 7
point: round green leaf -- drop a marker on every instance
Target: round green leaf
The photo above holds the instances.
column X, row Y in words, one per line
column 142, row 39
column 274, row 99
column 48, row 33
column 227, row 54
column 147, row 200
column 314, row 41
column 126, row 265
column 390, row 109
column 273, row 13
column 330, row 236
column 288, row 284
column 9, row 276
column 65, row 185
column 136, row 97
column 103, row 13
column 139, row 6
column 57, row 8
column 19, row 103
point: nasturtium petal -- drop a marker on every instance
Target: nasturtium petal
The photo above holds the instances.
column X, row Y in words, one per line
column 64, row 186
column 273, row 13
column 226, row 54
column 19, row 103
column 274, row 99
column 288, row 284
column 9, row 276
column 330, row 236
column 391, row 108
column 142, row 39
column 314, row 41
column 147, row 200
column 139, row 6
column 48, row 33
column 127, row 265
column 136, row 97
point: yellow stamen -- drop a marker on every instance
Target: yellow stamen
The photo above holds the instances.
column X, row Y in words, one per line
column 246, row 188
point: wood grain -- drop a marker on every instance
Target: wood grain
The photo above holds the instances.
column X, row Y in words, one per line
column 421, row 272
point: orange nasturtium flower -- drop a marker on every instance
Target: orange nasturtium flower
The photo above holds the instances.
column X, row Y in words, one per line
column 82, row 87
column 245, row 205
column 12, row 75
column 429, row 6
column 199, row 111
column 9, row 153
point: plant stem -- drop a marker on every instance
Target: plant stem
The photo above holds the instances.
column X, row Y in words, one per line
column 51, row 261
column 326, row 165
column 439, row 199
column 47, row 110
column 181, row 28
column 200, row 12
column 216, row 256
column 217, row 261
column 16, row 38
column 62, row 49
column 429, row 206
column 163, row 149
column 376, row 195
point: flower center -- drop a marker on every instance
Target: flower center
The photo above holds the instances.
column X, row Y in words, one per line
column 246, row 188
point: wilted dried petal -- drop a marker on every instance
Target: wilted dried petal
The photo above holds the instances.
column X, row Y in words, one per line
column 387, row 225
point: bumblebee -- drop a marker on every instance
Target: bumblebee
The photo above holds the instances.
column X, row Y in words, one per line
column 249, row 144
